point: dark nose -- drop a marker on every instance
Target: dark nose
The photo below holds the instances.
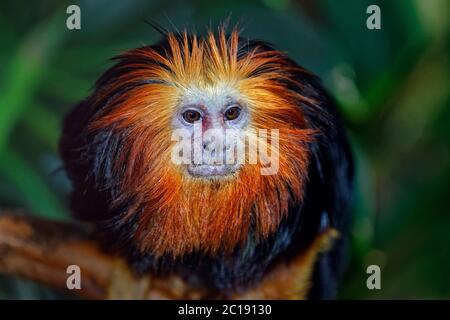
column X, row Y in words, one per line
column 210, row 150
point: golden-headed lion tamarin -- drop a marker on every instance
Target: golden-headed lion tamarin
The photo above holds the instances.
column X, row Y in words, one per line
column 223, row 227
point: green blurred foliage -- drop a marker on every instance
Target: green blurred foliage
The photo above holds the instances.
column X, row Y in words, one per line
column 392, row 86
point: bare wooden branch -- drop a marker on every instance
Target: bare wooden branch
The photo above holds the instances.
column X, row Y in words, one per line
column 41, row 250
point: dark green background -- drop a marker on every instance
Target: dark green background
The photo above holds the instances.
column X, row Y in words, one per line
column 392, row 86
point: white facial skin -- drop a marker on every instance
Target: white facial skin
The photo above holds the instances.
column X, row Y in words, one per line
column 217, row 113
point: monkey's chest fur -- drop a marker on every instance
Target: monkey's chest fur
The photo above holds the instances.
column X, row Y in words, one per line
column 291, row 279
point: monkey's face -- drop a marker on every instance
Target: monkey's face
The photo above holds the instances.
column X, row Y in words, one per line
column 221, row 96
column 214, row 121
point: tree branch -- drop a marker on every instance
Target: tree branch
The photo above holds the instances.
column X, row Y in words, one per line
column 41, row 250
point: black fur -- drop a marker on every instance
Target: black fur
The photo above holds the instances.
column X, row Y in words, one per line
column 88, row 158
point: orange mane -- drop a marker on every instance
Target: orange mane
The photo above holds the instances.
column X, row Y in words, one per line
column 179, row 214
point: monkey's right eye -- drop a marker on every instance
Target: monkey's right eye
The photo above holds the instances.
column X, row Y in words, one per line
column 191, row 116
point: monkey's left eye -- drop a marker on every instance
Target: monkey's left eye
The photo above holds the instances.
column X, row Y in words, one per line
column 191, row 116
column 232, row 113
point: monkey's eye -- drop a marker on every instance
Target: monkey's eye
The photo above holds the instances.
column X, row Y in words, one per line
column 232, row 113
column 191, row 116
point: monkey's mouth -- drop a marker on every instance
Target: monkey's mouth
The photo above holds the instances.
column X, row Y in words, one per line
column 212, row 170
